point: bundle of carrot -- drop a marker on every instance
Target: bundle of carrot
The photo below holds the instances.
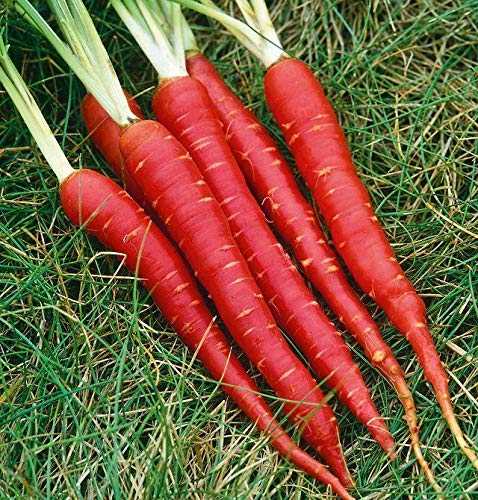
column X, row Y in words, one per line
column 277, row 191
column 174, row 188
column 255, row 152
column 203, row 171
column 107, row 212
column 317, row 141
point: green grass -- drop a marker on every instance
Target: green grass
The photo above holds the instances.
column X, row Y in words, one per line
column 99, row 399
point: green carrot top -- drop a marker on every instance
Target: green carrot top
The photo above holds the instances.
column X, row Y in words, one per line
column 161, row 31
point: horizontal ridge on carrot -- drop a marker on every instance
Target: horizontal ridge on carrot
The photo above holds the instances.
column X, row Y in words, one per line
column 176, row 190
column 313, row 133
column 111, row 215
column 182, row 104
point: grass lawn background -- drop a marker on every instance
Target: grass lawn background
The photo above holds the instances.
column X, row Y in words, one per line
column 99, row 398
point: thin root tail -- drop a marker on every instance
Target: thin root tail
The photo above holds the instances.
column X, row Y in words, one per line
column 456, row 431
column 398, row 380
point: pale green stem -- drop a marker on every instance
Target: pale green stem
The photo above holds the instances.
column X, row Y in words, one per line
column 32, row 116
column 178, row 19
column 246, row 35
column 251, row 35
column 144, row 20
column 84, row 53
column 189, row 40
column 248, row 13
column 265, row 22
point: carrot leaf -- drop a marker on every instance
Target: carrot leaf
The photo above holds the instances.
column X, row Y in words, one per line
column 189, row 39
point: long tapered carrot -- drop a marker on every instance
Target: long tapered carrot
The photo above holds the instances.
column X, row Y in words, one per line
column 182, row 104
column 185, row 108
column 107, row 212
column 316, row 139
column 175, row 189
column 94, row 110
column 355, row 229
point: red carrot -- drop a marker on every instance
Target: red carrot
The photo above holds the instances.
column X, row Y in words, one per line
column 109, row 213
column 323, row 158
column 184, row 107
column 105, row 134
column 90, row 113
column 317, row 141
column 175, row 189
column 93, row 112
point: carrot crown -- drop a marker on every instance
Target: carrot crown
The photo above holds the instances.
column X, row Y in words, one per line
column 160, row 40
column 257, row 33
column 84, row 53
column 32, row 116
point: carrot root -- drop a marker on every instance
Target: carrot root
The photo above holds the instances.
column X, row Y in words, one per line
column 185, row 108
column 110, row 215
column 420, row 338
column 444, row 400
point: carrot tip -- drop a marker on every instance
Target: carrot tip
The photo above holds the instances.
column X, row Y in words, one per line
column 341, row 489
column 456, row 431
column 425, row 467
column 344, row 477
column 342, row 492
column 348, row 481
column 394, row 374
column 348, row 497
column 444, row 400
